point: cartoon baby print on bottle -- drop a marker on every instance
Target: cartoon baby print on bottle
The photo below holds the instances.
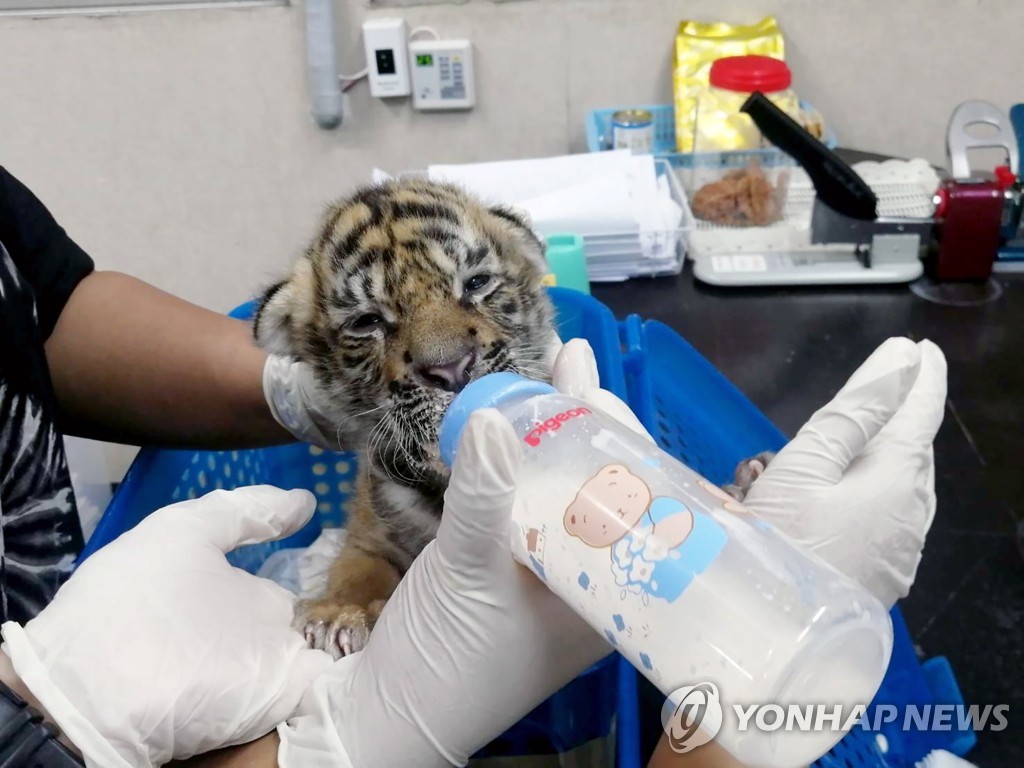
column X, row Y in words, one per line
column 657, row 544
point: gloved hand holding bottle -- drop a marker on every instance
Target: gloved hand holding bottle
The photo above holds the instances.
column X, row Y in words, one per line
column 655, row 559
column 439, row 705
column 856, row 485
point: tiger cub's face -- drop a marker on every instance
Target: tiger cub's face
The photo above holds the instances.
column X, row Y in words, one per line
column 409, row 291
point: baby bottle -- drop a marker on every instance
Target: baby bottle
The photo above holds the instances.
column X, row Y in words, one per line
column 697, row 593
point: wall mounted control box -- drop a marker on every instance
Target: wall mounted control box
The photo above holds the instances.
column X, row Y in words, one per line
column 442, row 74
column 387, row 57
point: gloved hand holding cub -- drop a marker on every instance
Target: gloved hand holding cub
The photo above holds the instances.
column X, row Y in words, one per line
column 157, row 648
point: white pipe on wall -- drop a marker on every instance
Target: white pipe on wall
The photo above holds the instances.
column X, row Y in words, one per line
column 322, row 63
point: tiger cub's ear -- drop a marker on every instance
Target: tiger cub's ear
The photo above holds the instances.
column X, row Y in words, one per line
column 534, row 249
column 514, row 215
column 284, row 311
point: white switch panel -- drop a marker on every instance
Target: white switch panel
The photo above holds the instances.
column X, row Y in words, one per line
column 387, row 57
column 442, row 74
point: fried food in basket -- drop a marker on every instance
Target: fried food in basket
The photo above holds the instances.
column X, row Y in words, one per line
column 742, row 198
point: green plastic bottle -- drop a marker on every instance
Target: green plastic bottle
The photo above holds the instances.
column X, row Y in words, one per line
column 567, row 263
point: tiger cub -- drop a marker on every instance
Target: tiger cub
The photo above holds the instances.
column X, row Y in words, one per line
column 409, row 290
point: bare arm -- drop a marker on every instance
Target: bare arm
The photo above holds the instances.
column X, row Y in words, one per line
column 132, row 364
column 261, row 753
column 708, row 756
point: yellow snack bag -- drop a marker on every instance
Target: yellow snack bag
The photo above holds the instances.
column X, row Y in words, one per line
column 698, row 44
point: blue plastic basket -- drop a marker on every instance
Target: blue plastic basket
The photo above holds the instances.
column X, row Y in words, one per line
column 693, row 412
column 698, row 416
column 599, row 132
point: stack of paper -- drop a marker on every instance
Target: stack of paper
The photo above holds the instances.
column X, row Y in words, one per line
column 626, row 209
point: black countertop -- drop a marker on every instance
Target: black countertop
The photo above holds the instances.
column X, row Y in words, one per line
column 790, row 350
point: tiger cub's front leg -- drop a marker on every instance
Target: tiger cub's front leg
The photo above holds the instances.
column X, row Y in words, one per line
column 358, row 586
column 359, row 583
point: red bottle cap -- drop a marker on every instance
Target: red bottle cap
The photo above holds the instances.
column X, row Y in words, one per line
column 751, row 73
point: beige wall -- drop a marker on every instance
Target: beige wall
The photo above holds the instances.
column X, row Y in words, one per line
column 177, row 145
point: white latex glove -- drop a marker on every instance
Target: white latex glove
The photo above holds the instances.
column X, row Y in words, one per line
column 297, row 403
column 157, row 648
column 468, row 644
column 575, row 374
column 857, row 483
column 554, row 346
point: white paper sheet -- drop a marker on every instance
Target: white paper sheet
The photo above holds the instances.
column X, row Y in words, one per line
column 615, row 200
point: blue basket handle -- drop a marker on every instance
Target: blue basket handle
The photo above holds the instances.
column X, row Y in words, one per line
column 627, row 744
column 634, row 364
column 940, row 678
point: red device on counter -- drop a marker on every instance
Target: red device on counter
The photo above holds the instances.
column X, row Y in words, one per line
column 970, row 211
column 968, row 219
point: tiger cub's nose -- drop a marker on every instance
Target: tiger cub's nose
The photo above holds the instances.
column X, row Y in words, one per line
column 451, row 376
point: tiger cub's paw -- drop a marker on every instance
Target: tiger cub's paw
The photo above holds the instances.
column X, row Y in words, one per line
column 338, row 629
column 747, row 471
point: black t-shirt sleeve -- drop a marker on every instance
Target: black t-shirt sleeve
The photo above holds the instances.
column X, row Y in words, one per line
column 51, row 262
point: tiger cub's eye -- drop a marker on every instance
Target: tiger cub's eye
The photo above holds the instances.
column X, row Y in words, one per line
column 476, row 282
column 367, row 322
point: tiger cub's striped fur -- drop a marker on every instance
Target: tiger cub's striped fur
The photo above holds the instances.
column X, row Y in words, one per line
column 409, row 290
